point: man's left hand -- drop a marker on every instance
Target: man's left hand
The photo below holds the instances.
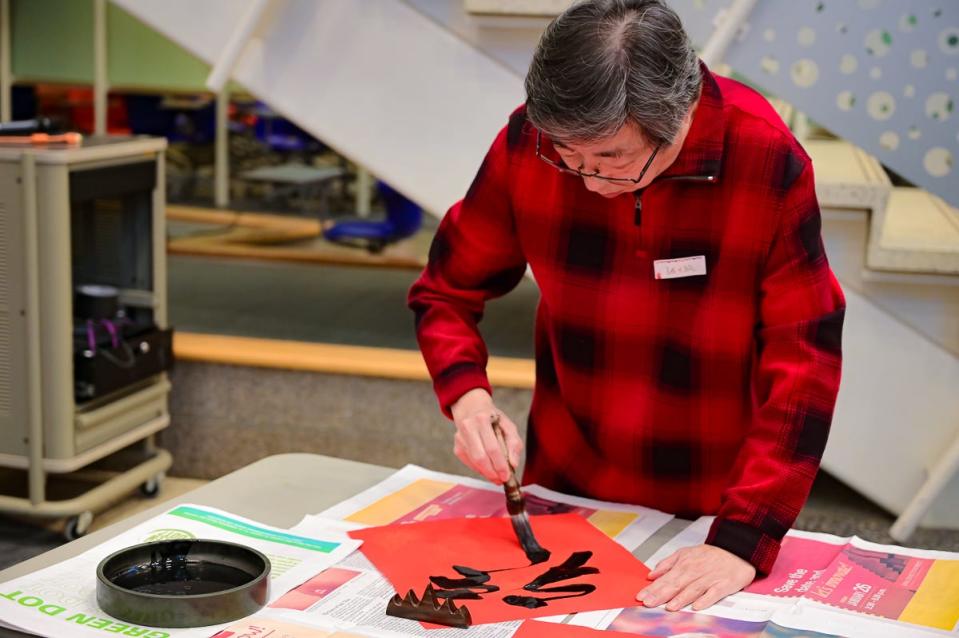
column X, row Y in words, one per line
column 701, row 576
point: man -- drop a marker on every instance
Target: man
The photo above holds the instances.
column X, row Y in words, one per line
column 688, row 331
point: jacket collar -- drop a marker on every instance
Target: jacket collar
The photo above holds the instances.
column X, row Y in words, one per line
column 702, row 152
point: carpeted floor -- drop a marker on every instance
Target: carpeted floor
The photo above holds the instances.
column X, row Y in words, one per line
column 834, row 508
column 326, row 304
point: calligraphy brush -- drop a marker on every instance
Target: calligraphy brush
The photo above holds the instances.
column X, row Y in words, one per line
column 516, row 505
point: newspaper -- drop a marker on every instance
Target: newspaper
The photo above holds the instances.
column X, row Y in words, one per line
column 416, row 494
column 61, row 599
column 352, row 595
column 316, row 596
column 821, row 583
column 267, row 625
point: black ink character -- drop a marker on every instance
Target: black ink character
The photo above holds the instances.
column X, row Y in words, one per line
column 474, row 584
column 462, row 588
column 573, row 567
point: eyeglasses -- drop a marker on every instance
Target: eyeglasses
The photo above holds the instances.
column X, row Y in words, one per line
column 566, row 169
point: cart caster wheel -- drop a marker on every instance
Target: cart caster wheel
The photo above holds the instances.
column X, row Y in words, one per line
column 78, row 526
column 152, row 487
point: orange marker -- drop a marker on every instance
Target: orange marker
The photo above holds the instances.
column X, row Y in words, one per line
column 70, row 139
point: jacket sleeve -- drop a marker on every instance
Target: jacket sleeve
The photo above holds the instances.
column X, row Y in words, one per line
column 795, row 380
column 475, row 256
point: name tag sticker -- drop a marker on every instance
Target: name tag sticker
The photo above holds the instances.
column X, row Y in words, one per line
column 681, row 267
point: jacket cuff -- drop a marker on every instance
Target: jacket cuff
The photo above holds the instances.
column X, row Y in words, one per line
column 457, row 380
column 749, row 543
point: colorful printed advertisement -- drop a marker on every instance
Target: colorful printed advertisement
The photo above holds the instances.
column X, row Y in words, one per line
column 909, row 586
column 415, row 495
column 659, row 622
column 316, row 589
column 820, row 583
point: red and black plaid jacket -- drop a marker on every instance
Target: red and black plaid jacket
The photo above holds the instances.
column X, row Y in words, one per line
column 701, row 395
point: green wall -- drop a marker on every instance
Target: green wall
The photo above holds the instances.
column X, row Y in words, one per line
column 52, row 41
column 138, row 56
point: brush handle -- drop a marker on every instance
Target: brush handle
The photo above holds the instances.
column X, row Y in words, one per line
column 515, row 501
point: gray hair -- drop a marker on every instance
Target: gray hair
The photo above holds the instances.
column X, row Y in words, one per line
column 602, row 63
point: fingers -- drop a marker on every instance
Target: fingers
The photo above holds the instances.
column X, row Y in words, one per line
column 514, row 444
column 671, row 579
column 494, row 451
column 664, row 565
column 699, row 576
column 687, row 595
column 476, row 444
column 659, row 592
column 712, row 596
column 475, row 453
column 459, row 450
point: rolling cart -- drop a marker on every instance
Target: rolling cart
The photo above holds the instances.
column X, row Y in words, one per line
column 78, row 388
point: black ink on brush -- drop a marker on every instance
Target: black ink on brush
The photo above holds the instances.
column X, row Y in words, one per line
column 516, row 505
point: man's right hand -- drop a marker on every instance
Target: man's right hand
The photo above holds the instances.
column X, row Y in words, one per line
column 475, row 443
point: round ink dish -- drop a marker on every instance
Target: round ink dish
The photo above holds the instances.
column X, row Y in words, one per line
column 183, row 583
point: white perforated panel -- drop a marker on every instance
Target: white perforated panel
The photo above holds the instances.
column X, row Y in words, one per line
column 883, row 74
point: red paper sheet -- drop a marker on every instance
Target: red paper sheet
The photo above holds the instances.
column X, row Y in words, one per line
column 408, row 555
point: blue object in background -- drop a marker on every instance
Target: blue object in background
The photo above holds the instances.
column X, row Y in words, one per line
column 282, row 135
column 149, row 115
column 146, row 117
column 403, row 219
column 24, row 103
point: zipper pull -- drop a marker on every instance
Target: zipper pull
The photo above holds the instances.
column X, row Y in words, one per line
column 638, row 210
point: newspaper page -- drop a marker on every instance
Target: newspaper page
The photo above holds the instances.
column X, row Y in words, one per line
column 821, row 583
column 415, row 494
column 61, row 599
column 266, row 625
column 352, row 595
column 884, row 589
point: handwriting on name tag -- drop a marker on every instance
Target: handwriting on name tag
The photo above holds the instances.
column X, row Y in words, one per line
column 680, row 267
